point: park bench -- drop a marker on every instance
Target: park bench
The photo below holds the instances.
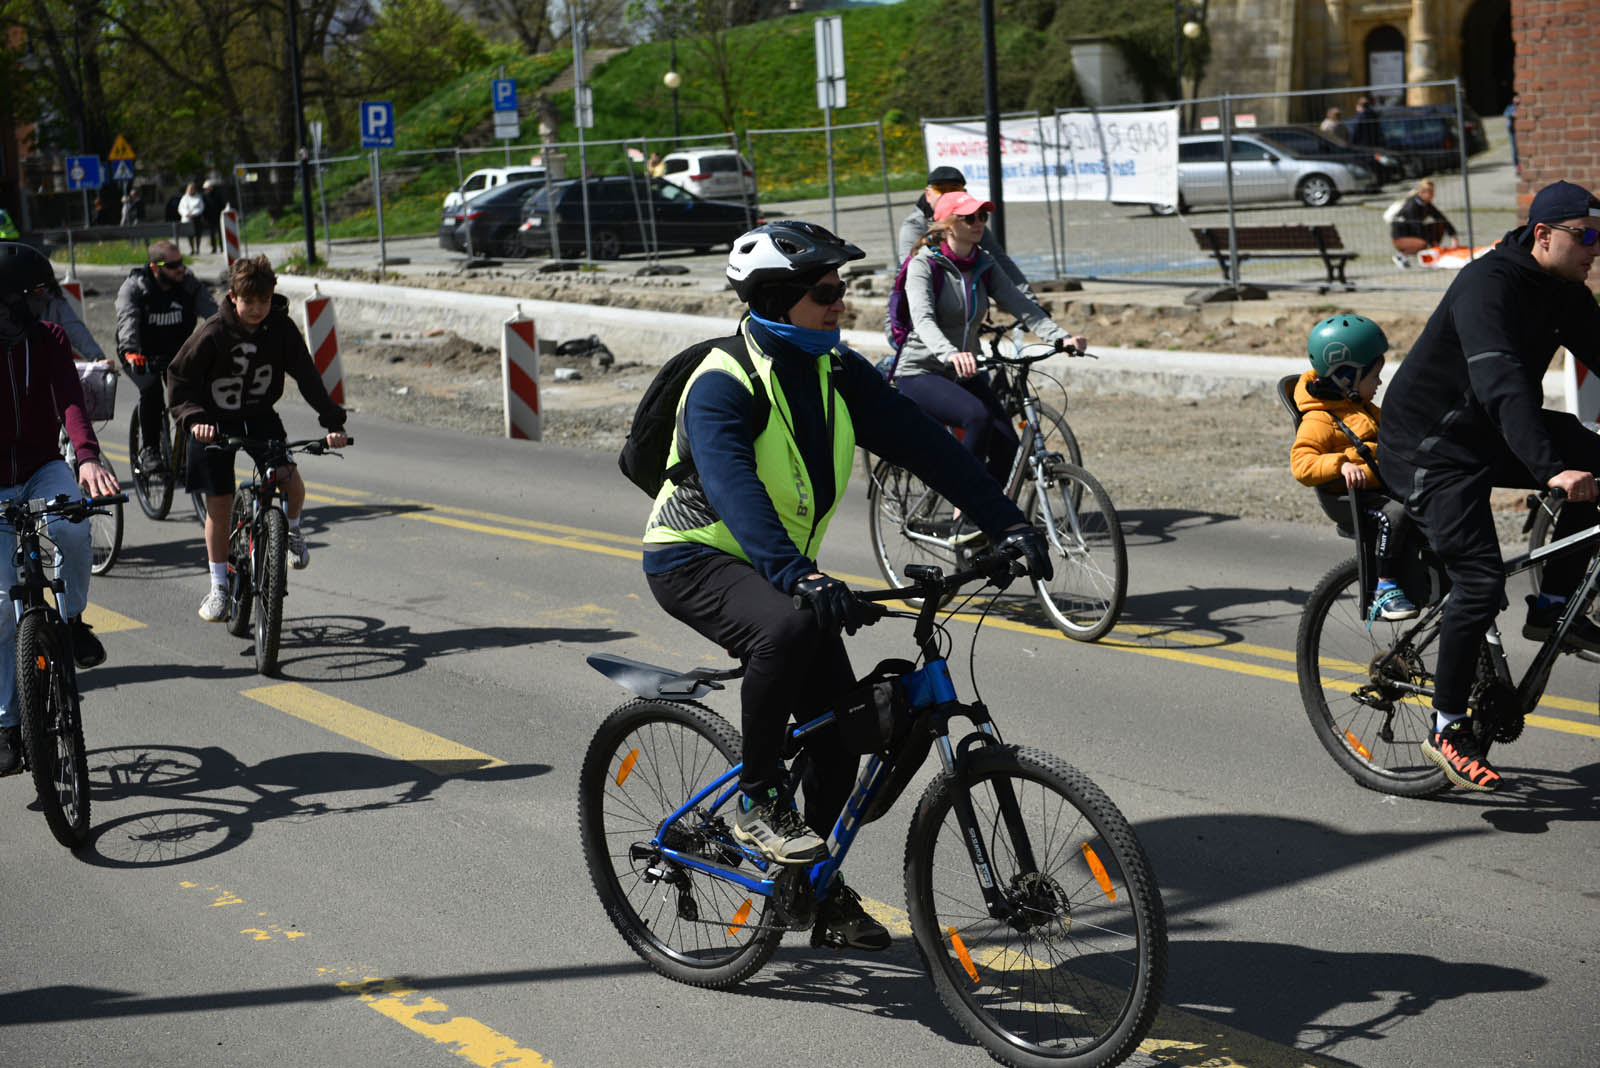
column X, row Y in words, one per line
column 1280, row 243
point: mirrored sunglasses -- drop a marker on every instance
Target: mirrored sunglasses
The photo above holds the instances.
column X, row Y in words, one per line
column 1587, row 235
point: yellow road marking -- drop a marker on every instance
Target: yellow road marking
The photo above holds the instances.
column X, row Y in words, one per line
column 106, row 621
column 462, row 1035
column 391, row 736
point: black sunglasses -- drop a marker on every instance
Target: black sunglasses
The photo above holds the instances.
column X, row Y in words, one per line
column 977, row 216
column 1587, row 235
column 826, row 294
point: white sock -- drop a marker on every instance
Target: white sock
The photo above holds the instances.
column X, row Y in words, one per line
column 294, row 524
column 219, row 573
column 1441, row 721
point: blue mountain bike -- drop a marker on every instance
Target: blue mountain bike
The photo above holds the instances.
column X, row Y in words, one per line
column 1030, row 900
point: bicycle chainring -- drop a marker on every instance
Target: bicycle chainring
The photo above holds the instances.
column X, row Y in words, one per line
column 793, row 899
column 1495, row 706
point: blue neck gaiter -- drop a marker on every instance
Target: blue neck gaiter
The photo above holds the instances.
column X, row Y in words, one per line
column 791, row 337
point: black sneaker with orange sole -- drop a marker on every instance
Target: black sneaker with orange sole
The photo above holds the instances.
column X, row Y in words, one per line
column 1456, row 750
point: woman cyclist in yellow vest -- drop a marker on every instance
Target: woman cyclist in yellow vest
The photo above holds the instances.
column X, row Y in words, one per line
column 728, row 546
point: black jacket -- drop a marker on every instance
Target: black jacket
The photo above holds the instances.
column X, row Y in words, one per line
column 1472, row 385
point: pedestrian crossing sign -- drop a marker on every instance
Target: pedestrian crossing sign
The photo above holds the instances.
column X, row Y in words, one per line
column 120, row 149
column 122, row 170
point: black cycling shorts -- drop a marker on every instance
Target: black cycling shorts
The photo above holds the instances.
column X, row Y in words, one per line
column 211, row 470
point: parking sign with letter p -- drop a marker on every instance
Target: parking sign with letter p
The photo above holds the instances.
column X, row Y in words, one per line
column 377, row 124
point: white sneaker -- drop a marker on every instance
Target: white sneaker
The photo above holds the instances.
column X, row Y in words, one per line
column 214, row 609
column 299, row 555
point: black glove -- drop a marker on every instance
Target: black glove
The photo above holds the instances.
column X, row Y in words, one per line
column 832, row 601
column 1064, row 344
column 1030, row 545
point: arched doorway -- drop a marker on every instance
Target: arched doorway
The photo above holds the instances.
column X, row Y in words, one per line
column 1385, row 49
column 1487, row 56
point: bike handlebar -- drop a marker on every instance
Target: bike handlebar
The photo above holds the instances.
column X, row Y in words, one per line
column 76, row 509
column 315, row 446
column 998, row 330
column 929, row 582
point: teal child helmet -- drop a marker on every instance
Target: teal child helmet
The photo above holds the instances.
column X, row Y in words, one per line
column 1344, row 346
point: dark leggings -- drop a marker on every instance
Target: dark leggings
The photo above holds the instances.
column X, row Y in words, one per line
column 1453, row 511
column 152, row 401
column 970, row 405
column 791, row 670
column 1389, row 521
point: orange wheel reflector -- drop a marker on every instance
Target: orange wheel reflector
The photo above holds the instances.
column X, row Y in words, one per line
column 1355, row 743
column 962, row 954
column 627, row 766
column 1099, row 871
column 41, row 662
column 739, row 919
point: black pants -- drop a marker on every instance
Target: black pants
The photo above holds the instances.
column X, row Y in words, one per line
column 1391, row 525
column 152, row 399
column 792, row 669
column 1453, row 511
column 971, row 405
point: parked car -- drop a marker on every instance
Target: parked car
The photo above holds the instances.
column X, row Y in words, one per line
column 620, row 219
column 1309, row 143
column 1429, row 132
column 711, row 172
column 488, row 223
column 1261, row 171
column 484, row 180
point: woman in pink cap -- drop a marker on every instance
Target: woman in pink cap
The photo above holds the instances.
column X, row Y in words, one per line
column 949, row 283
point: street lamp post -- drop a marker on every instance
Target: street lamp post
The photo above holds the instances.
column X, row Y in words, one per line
column 1188, row 20
column 672, row 80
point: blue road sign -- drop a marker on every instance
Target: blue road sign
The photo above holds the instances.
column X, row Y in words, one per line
column 505, row 94
column 122, row 170
column 377, row 124
column 85, row 172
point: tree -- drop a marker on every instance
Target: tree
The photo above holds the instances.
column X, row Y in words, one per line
column 704, row 28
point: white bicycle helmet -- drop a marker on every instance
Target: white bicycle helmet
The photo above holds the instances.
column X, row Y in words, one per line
column 788, row 250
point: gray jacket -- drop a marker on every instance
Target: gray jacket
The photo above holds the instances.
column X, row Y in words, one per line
column 914, row 227
column 949, row 325
column 157, row 321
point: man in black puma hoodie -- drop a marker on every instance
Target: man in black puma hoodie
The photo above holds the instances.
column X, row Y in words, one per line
column 1464, row 413
column 224, row 382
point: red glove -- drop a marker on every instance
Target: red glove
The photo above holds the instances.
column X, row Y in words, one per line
column 136, row 360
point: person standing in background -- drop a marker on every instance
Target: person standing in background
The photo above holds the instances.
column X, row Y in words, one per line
column 1511, row 130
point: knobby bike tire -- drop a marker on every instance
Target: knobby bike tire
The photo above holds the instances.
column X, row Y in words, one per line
column 1084, row 598
column 105, row 533
column 646, row 759
column 1349, row 675
column 898, row 502
column 52, row 732
column 1540, row 534
column 1074, row 979
column 271, row 584
column 153, row 490
column 240, row 590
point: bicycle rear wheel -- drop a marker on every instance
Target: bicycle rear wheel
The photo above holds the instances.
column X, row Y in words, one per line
column 1074, row 976
column 271, row 583
column 646, row 759
column 907, row 519
column 105, row 533
column 52, row 733
column 1084, row 598
column 1357, row 684
column 153, row 488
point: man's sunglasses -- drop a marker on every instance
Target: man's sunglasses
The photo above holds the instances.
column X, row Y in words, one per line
column 825, row 294
column 174, row 264
column 1587, row 235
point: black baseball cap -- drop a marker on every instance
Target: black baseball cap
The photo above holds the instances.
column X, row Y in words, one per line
column 1560, row 201
column 945, row 176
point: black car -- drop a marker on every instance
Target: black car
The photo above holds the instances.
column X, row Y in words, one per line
column 489, row 221
column 1429, row 132
column 629, row 215
column 1309, row 142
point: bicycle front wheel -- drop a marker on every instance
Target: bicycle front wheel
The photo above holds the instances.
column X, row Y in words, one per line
column 152, row 487
column 909, row 523
column 1540, row 534
column 239, row 589
column 105, row 533
column 1073, row 975
column 1358, row 684
column 1084, row 598
column 52, row 733
column 646, row 759
column 271, row 583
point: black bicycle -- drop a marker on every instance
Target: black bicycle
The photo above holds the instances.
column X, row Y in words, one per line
column 47, row 680
column 1030, row 900
column 1367, row 684
column 155, row 486
column 258, row 543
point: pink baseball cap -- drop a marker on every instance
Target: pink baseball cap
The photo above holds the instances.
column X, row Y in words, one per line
column 960, row 202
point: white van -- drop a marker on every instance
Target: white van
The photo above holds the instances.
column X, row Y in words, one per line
column 714, row 173
column 486, row 179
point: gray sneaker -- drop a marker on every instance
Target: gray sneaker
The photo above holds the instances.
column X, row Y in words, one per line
column 214, row 609
column 776, row 829
column 299, row 555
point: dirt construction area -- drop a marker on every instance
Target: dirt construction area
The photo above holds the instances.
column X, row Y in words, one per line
column 1226, row 456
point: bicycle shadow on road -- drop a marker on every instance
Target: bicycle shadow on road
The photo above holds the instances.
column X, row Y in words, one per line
column 1202, row 617
column 342, row 648
column 215, row 800
column 1156, row 526
column 1533, row 798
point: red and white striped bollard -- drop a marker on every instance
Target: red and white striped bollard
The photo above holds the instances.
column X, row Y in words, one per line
column 519, row 377
column 322, row 337
column 230, row 233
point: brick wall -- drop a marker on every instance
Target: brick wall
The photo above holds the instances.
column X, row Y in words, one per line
column 1558, row 119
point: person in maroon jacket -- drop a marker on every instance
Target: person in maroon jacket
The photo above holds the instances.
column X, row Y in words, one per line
column 39, row 392
column 223, row 383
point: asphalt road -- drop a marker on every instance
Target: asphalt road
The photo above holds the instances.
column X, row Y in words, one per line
column 374, row 858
